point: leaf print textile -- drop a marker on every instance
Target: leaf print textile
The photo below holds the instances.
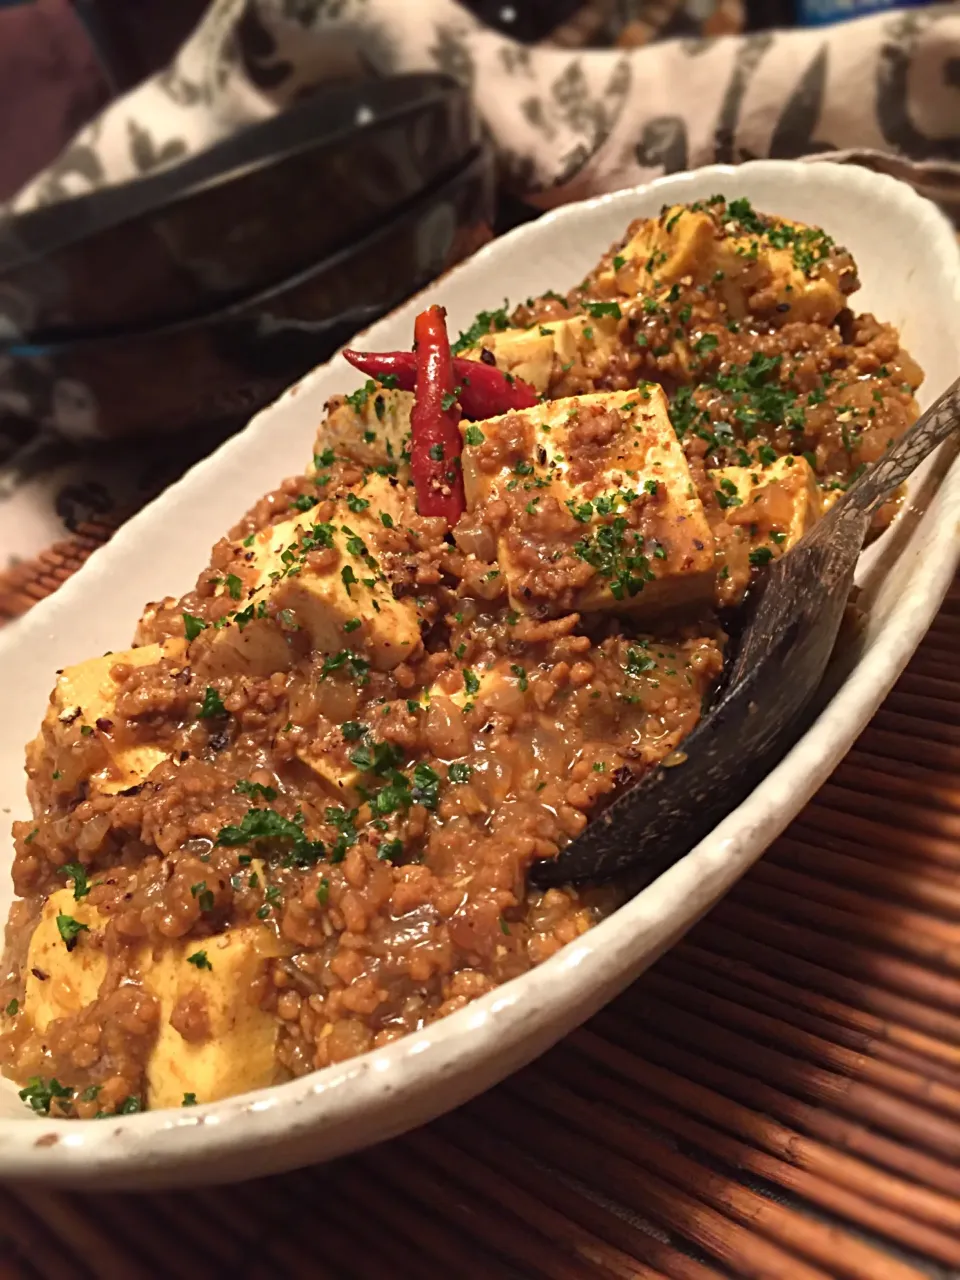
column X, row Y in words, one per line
column 566, row 121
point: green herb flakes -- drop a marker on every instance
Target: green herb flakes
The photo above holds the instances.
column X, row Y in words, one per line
column 212, row 705
column 70, row 930
column 254, row 790
column 192, row 626
column 77, row 874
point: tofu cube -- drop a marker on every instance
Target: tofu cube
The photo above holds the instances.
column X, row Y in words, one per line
column 538, row 355
column 60, row 982
column 371, row 427
column 344, row 603
column 756, row 263
column 237, row 1055
column 592, row 505
column 772, row 506
column 83, row 701
column 333, row 766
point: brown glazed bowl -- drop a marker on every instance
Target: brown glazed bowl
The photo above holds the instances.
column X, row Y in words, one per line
column 230, row 363
column 234, row 220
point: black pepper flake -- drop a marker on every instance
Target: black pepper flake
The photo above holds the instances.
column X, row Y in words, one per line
column 487, row 356
column 184, row 755
column 133, row 791
column 783, row 306
column 105, row 725
column 39, row 974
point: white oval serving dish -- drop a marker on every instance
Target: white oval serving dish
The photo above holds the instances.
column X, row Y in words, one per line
column 910, row 267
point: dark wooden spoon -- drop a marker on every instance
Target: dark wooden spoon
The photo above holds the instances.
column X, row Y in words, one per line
column 780, row 660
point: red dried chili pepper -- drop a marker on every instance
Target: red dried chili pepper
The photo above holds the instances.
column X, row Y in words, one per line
column 482, row 389
column 435, row 442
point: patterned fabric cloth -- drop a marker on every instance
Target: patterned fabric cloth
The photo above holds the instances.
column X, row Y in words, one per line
column 567, row 122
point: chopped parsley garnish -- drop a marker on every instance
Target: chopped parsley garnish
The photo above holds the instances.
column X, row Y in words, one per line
column 522, row 682
column 344, row 821
column 323, row 892
column 353, row 730
column 75, row 872
column 638, row 663
column 204, row 896
column 70, row 930
column 212, row 705
column 484, row 323
column 261, row 827
column 386, row 519
column 471, row 681
column 192, row 626
column 130, row 1105
column 474, row 436
column 39, row 1094
column 12, row 1008
column 325, row 459
column 380, row 758
column 727, row 495
column 742, row 211
column 352, row 624
column 356, row 504
column 705, row 344
column 459, row 772
column 450, row 399
column 752, row 395
column 615, row 552
column 761, row 556
column 254, row 790
column 189, row 1100
column 600, row 309
column 199, row 960
column 234, row 586
column 302, row 503
column 358, row 667
column 358, row 399
column 436, row 452
column 426, row 786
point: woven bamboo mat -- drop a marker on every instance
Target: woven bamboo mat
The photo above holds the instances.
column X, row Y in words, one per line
column 778, row 1098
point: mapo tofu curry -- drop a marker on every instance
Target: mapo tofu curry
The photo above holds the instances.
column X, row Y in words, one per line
column 295, row 820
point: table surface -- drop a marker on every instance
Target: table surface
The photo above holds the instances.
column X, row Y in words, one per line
column 778, row 1097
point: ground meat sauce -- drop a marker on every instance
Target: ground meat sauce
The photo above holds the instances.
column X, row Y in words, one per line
column 409, row 898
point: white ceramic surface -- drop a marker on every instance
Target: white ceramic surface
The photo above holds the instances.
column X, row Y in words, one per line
column 910, row 267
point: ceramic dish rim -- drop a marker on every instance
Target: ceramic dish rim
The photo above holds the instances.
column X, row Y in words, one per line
column 163, row 1140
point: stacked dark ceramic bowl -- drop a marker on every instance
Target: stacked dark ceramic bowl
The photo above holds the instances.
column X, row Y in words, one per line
column 195, row 295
